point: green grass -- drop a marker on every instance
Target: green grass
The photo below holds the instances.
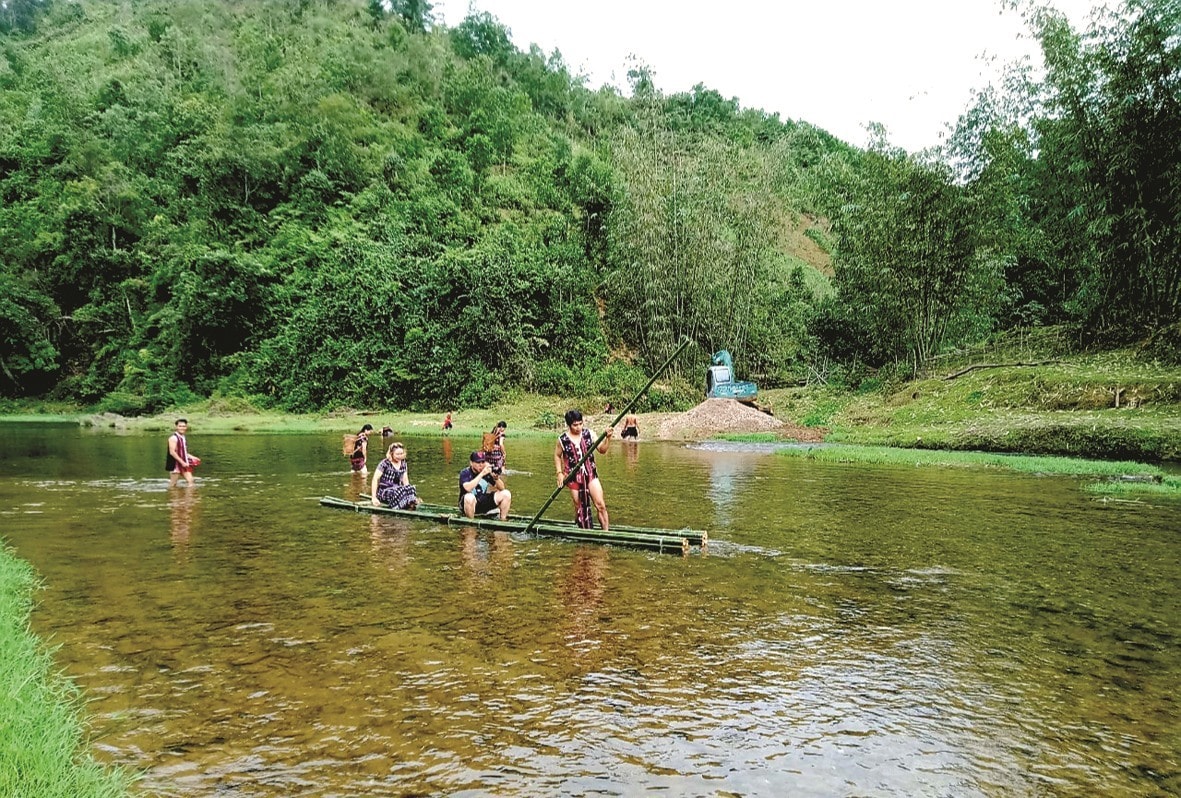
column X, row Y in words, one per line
column 1066, row 407
column 527, row 416
column 42, row 740
column 1109, row 477
column 1027, row 464
column 72, row 417
column 1123, row 478
column 1168, row 488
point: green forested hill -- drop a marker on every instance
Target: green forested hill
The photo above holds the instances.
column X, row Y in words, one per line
column 335, row 202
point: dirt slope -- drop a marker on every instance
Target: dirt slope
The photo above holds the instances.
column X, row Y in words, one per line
column 717, row 416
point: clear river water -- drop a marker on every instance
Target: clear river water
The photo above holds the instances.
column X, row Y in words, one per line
column 850, row 630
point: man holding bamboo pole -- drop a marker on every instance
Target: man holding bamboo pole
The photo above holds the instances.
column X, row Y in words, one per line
column 558, row 461
column 573, row 451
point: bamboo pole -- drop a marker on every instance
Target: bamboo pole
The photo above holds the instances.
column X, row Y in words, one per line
column 666, row 543
column 670, row 543
column 627, row 408
column 696, row 537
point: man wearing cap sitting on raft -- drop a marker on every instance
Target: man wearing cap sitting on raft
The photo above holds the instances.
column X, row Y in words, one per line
column 481, row 489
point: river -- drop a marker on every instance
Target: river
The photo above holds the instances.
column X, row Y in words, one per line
column 850, row 630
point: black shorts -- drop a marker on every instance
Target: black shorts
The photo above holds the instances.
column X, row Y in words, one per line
column 630, row 432
column 484, row 503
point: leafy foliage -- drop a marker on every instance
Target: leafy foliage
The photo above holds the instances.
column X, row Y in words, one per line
column 1079, row 172
column 909, row 269
column 344, row 203
column 29, row 358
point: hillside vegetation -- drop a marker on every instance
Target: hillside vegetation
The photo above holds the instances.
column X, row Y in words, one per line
column 332, row 202
column 335, row 203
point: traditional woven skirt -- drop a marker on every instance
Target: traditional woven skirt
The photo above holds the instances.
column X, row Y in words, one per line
column 397, row 496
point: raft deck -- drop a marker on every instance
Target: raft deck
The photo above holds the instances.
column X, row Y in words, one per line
column 662, row 540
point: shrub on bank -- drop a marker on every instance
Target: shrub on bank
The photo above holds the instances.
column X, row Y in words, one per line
column 1164, row 346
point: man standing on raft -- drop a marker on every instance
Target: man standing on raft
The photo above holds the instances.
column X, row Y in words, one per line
column 584, row 486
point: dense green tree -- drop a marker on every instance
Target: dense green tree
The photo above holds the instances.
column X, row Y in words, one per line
column 335, row 203
column 1078, row 170
column 1136, row 287
column 690, row 235
column 29, row 358
column 908, row 266
column 417, row 14
column 21, row 15
column 482, row 35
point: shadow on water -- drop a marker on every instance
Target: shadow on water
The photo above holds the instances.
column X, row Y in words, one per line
column 852, row 630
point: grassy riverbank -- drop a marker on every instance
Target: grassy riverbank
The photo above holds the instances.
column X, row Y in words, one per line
column 1103, row 406
column 1110, row 406
column 1100, row 407
column 1106, row 477
column 526, row 416
column 43, row 749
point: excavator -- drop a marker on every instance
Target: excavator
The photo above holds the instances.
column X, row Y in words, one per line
column 720, row 383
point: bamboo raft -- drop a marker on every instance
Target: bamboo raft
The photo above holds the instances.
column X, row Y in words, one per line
column 652, row 539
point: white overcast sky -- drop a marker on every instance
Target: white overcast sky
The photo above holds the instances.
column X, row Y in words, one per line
column 838, row 64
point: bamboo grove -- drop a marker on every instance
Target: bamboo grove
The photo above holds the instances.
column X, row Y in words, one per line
column 333, row 203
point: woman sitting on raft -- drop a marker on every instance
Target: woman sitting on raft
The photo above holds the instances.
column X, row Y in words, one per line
column 391, row 481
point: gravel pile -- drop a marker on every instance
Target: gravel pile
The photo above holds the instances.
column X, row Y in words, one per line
column 717, row 416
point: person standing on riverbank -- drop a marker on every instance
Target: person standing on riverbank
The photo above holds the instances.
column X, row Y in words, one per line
column 179, row 461
column 585, row 487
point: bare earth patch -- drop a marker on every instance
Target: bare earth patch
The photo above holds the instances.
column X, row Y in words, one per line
column 716, row 417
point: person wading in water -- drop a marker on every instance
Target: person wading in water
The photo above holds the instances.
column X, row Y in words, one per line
column 179, row 461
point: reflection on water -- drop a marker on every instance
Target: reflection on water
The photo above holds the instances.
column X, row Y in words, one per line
column 581, row 592
column 391, row 542
column 485, row 555
column 854, row 631
column 631, row 454
column 182, row 506
column 728, row 472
